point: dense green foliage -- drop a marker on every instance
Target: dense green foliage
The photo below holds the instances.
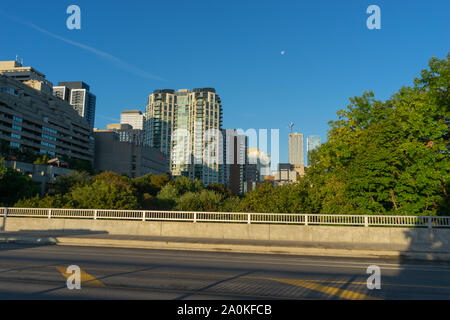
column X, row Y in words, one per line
column 15, row 185
column 388, row 157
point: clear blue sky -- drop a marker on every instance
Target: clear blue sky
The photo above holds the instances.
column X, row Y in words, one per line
column 234, row 46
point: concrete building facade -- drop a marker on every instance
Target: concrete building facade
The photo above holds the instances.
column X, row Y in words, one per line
column 134, row 160
column 27, row 75
column 285, row 174
column 36, row 121
column 134, row 118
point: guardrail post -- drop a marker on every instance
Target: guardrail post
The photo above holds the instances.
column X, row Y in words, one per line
column 249, row 218
column 6, row 212
column 430, row 225
column 143, row 215
column 95, row 214
column 49, row 213
column 195, row 217
column 306, row 219
column 366, row 221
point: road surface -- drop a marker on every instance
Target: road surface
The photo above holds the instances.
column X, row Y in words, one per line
column 39, row 272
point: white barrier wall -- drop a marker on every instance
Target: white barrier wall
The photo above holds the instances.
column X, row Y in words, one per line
column 376, row 238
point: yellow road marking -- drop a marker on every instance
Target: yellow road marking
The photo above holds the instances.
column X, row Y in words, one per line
column 227, row 275
column 86, row 278
column 341, row 293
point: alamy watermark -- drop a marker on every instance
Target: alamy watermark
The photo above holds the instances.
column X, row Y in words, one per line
column 374, row 20
column 74, row 20
column 74, row 280
column 374, row 280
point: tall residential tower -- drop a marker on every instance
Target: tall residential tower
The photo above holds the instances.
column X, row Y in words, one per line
column 77, row 94
column 296, row 156
column 194, row 119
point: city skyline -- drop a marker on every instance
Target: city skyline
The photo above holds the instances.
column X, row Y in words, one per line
column 325, row 45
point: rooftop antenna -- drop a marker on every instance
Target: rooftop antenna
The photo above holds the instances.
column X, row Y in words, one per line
column 17, row 57
column 21, row 61
column 291, row 125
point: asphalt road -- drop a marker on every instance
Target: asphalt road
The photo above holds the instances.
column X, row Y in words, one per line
column 39, row 272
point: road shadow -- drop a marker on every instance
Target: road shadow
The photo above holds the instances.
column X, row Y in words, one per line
column 424, row 265
column 22, row 239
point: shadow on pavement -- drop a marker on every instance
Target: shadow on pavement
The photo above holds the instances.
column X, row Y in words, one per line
column 14, row 240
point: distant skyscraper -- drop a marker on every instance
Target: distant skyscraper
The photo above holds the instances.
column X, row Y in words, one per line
column 258, row 165
column 312, row 142
column 134, row 118
column 190, row 115
column 296, row 156
column 235, row 160
column 78, row 95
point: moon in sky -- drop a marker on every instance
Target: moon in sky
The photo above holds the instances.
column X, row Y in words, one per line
column 283, row 52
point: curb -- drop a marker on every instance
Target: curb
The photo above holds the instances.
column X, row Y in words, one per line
column 215, row 247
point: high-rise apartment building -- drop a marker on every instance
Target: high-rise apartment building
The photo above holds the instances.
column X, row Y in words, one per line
column 134, row 118
column 312, row 142
column 194, row 119
column 296, row 156
column 159, row 119
column 77, row 94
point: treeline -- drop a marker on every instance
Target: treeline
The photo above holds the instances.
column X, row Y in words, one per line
column 109, row 190
column 388, row 157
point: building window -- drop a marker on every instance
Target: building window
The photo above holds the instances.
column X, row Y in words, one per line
column 48, row 137
column 48, row 144
column 9, row 90
column 16, row 127
column 16, row 136
column 15, row 118
column 47, row 152
column 14, row 144
column 49, row 130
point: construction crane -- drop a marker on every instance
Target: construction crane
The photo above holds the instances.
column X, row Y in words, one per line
column 291, row 125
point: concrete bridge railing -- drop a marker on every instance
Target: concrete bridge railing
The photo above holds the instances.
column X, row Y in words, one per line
column 231, row 217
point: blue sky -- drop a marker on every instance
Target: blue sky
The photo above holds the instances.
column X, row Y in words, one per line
column 235, row 47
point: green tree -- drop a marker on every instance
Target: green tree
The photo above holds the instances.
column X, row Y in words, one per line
column 159, row 181
column 64, row 183
column 204, row 200
column 185, row 184
column 220, row 188
column 388, row 157
column 15, row 185
column 104, row 191
column 167, row 197
column 144, row 185
column 56, row 201
column 230, row 204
